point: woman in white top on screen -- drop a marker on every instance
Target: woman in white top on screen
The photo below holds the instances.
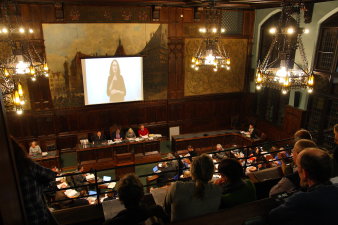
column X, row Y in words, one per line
column 116, row 90
column 197, row 197
column 34, row 149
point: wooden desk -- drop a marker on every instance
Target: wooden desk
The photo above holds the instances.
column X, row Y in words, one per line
column 107, row 156
column 50, row 161
column 207, row 141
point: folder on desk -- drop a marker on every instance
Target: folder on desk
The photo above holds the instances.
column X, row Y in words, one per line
column 62, row 184
column 90, row 177
column 71, row 193
column 111, row 185
column 106, row 178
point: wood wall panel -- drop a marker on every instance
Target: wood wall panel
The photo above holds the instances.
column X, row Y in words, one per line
column 45, row 124
column 192, row 114
column 294, row 119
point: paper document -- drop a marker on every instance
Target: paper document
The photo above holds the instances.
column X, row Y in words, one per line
column 71, row 193
column 111, row 208
column 159, row 195
column 90, row 177
column 111, row 185
column 62, row 185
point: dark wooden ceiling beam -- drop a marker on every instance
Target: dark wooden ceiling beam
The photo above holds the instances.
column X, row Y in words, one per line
column 226, row 4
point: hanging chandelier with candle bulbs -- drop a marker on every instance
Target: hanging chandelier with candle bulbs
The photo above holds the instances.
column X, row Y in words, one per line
column 19, row 59
column 282, row 72
column 211, row 52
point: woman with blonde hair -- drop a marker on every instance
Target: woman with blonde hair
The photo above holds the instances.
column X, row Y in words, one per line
column 130, row 133
column 197, row 197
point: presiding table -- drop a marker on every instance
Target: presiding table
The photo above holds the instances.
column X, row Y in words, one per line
column 51, row 160
column 207, row 141
column 102, row 156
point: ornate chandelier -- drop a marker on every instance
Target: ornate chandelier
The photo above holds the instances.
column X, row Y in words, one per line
column 282, row 72
column 210, row 52
column 19, row 57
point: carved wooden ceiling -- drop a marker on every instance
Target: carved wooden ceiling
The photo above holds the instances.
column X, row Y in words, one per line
column 225, row 4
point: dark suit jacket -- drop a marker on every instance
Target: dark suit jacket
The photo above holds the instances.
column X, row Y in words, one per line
column 113, row 135
column 98, row 139
column 254, row 134
column 316, row 206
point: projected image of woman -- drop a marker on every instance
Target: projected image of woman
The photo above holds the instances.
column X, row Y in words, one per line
column 116, row 90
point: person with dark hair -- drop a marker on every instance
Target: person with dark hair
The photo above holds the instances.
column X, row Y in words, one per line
column 116, row 89
column 290, row 183
column 130, row 192
column 197, row 197
column 252, row 131
column 34, row 179
column 117, row 135
column 191, row 151
column 78, row 179
column 302, row 134
column 235, row 189
column 319, row 204
column 169, row 171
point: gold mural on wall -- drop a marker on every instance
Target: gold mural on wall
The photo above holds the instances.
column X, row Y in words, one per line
column 205, row 80
column 66, row 44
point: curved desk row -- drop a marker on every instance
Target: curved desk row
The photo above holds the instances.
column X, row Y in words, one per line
column 207, row 141
column 126, row 153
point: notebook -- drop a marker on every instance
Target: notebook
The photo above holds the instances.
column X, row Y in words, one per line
column 106, row 178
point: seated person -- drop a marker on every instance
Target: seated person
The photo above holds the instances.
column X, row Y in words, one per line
column 98, row 138
column 191, row 151
column 80, row 201
column 110, row 196
column 62, row 201
column 252, row 131
column 78, row 180
column 34, row 149
column 130, row 134
column 143, row 132
column 117, row 135
column 302, row 134
column 130, row 192
column 263, row 163
column 169, row 170
column 197, row 197
column 290, row 182
column 319, row 203
column 219, row 155
column 280, row 156
column 235, row 190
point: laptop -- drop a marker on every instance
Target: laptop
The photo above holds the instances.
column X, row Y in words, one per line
column 92, row 193
column 106, row 178
column 155, row 169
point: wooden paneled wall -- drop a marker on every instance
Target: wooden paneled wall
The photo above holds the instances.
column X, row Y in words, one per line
column 192, row 114
column 198, row 113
